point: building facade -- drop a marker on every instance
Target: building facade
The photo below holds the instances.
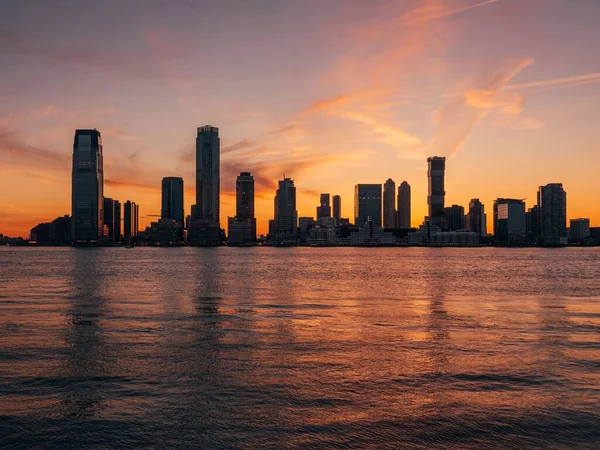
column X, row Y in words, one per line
column 324, row 208
column 208, row 176
column 130, row 220
column 337, row 209
column 286, row 215
column 436, row 170
column 87, row 192
column 579, row 230
column 509, row 222
column 389, row 204
column 476, row 217
column 552, row 203
column 367, row 204
column 241, row 229
column 172, row 206
column 404, row 219
column 454, row 218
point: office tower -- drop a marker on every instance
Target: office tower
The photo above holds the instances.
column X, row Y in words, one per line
column 403, row 205
column 476, row 217
column 552, row 201
column 305, row 224
column 193, row 213
column 532, row 222
column 579, row 230
column 244, row 196
column 109, row 218
column 136, row 219
column 509, row 221
column 208, row 175
column 389, row 204
column 241, row 229
column 367, row 204
column 436, row 198
column 87, row 193
column 454, row 218
column 130, row 220
column 117, row 220
column 324, row 208
column 172, row 199
column 286, row 215
column 337, row 209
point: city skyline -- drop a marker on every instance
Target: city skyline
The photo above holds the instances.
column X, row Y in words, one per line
column 385, row 89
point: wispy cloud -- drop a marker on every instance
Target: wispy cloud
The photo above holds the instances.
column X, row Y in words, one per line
column 434, row 10
column 14, row 149
column 564, row 81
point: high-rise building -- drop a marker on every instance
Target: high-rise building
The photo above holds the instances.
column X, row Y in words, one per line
column 552, row 201
column 130, row 220
column 244, row 196
column 579, row 230
column 532, row 221
column 404, row 205
column 324, row 208
column 136, row 219
column 110, row 218
column 510, row 226
column 208, row 175
column 286, row 215
column 436, row 197
column 454, row 218
column 337, row 209
column 367, row 204
column 242, row 227
column 172, row 199
column 389, row 204
column 87, row 193
column 475, row 221
column 117, row 220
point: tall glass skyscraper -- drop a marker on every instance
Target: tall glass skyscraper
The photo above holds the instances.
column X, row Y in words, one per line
column 208, row 176
column 404, row 205
column 436, row 193
column 172, row 199
column 286, row 215
column 389, row 204
column 87, row 192
column 367, row 204
column 324, row 208
column 244, row 196
column 552, row 203
column 337, row 209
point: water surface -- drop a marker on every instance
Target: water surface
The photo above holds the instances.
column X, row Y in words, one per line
column 299, row 348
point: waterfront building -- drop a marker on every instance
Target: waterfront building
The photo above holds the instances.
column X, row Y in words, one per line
column 324, row 208
column 454, row 218
column 509, row 222
column 579, row 230
column 552, row 201
column 286, row 216
column 367, row 204
column 389, row 204
column 404, row 216
column 436, row 169
column 337, row 209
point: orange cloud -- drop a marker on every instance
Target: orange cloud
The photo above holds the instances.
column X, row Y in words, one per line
column 437, row 10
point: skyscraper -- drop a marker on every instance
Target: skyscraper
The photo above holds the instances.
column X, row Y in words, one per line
column 404, row 205
column 109, row 218
column 324, row 209
column 552, row 201
column 337, row 209
column 244, row 196
column 579, row 230
column 367, row 204
column 510, row 225
column 87, row 192
column 454, row 218
column 172, row 199
column 242, row 228
column 389, row 204
column 117, row 220
column 208, row 175
column 130, row 220
column 436, row 197
column 286, row 215
column 476, row 221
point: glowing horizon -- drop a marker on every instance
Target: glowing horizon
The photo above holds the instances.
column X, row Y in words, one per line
column 332, row 94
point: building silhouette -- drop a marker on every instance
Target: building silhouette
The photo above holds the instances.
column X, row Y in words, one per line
column 87, row 192
column 404, row 218
column 510, row 226
column 242, row 227
column 389, row 204
column 475, row 220
column 367, row 204
column 130, row 220
column 579, row 230
column 436, row 193
column 552, row 201
column 57, row 232
column 112, row 219
column 208, row 175
column 172, row 199
column 337, row 209
column 286, row 216
column 324, row 208
column 454, row 218
column 532, row 221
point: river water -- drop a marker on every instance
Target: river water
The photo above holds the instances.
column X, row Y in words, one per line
column 299, row 348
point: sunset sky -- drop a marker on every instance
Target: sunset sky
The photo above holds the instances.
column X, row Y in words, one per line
column 331, row 93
